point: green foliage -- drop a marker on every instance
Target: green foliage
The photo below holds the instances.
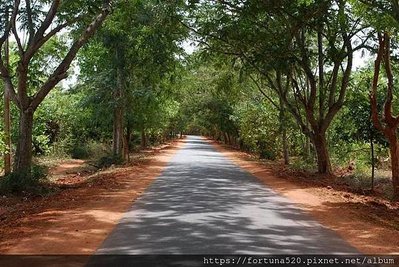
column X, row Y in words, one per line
column 88, row 150
column 19, row 182
column 79, row 151
column 249, row 84
column 108, row 161
column 138, row 44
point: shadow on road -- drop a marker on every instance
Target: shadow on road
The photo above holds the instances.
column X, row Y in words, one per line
column 204, row 204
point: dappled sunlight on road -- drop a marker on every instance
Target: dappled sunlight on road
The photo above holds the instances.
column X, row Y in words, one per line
column 204, row 204
column 358, row 223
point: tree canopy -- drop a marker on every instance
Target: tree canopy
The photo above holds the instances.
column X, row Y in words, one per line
column 275, row 78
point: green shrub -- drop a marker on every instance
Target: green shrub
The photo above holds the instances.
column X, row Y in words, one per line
column 301, row 164
column 24, row 181
column 267, row 154
column 80, row 151
column 97, row 150
column 109, row 160
column 90, row 149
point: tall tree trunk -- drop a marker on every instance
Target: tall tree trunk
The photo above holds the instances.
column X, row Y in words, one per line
column 372, row 161
column 118, row 117
column 7, row 115
column 371, row 133
column 285, row 147
column 225, row 139
column 23, row 156
column 306, row 147
column 118, row 133
column 229, row 139
column 323, row 157
column 388, row 125
column 143, row 138
column 394, row 151
column 127, row 143
column 283, row 130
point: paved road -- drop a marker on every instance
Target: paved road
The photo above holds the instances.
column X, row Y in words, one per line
column 204, row 204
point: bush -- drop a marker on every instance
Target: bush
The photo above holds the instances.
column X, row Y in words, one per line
column 301, row 164
column 18, row 182
column 80, row 151
column 91, row 149
column 109, row 160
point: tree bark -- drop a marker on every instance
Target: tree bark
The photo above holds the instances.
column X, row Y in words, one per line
column 283, row 130
column 323, row 157
column 126, row 144
column 285, row 147
column 143, row 139
column 23, row 156
column 7, row 114
column 372, row 161
column 225, row 139
column 229, row 139
column 118, row 135
column 388, row 124
column 306, row 147
column 394, row 151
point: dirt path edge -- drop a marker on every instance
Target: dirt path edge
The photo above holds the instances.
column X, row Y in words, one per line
column 352, row 221
column 76, row 221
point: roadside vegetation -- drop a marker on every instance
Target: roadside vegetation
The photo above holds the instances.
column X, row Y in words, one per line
column 281, row 80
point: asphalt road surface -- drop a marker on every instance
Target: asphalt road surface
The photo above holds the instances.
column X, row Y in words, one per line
column 204, row 204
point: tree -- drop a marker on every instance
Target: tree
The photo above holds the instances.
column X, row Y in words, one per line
column 303, row 49
column 5, row 9
column 40, row 22
column 128, row 64
column 384, row 18
column 389, row 123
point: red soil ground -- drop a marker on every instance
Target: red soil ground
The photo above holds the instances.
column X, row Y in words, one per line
column 77, row 219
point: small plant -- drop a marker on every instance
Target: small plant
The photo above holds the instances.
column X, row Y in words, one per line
column 267, row 154
column 89, row 149
column 26, row 181
column 80, row 151
column 300, row 164
column 109, row 160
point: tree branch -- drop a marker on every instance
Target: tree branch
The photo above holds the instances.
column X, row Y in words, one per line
column 61, row 71
column 373, row 93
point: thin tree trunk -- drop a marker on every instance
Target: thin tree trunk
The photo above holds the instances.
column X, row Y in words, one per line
column 226, row 141
column 127, row 143
column 395, row 170
column 118, row 133
column 143, row 139
column 229, row 139
column 7, row 117
column 283, row 130
column 306, row 147
column 285, row 147
column 23, row 156
column 394, row 151
column 372, row 161
column 118, row 117
column 323, row 157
